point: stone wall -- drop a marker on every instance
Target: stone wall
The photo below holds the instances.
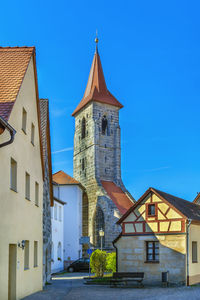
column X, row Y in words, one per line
column 172, row 257
column 46, row 227
column 102, row 161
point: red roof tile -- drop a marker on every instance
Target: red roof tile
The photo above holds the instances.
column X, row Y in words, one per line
column 62, row 178
column 96, row 89
column 119, row 198
column 13, row 65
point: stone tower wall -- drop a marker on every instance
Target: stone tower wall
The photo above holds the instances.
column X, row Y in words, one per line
column 102, row 161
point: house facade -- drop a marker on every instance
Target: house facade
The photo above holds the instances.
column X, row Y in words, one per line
column 57, row 249
column 97, row 158
column 160, row 233
column 70, row 191
column 21, row 174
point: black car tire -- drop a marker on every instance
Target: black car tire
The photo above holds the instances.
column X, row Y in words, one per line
column 71, row 269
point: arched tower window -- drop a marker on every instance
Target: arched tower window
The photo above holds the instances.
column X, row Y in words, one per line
column 83, row 164
column 83, row 127
column 104, row 124
column 98, row 223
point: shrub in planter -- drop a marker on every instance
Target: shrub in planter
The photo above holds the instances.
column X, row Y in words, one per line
column 98, row 262
column 111, row 262
column 59, row 259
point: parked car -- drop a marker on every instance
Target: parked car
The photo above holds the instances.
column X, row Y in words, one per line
column 81, row 264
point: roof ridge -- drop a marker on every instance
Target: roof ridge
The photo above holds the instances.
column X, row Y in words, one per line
column 171, row 195
column 16, row 47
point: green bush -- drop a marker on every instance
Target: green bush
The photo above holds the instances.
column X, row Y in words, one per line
column 98, row 262
column 111, row 262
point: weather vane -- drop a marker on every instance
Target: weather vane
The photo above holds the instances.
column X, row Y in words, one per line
column 96, row 41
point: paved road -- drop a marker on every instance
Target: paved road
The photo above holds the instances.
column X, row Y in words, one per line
column 71, row 287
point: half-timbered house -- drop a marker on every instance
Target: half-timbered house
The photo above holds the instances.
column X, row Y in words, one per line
column 160, row 233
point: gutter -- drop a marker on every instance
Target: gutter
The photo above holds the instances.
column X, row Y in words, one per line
column 11, row 130
column 187, row 245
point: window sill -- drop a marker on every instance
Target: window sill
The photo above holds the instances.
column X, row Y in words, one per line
column 33, row 144
column 14, row 190
column 37, row 205
column 195, row 262
column 25, row 269
column 35, row 266
column 27, row 199
column 152, row 262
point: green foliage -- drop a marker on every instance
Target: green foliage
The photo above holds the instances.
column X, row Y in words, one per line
column 98, row 262
column 111, row 262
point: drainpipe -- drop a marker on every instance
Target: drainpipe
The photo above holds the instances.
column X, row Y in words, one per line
column 11, row 130
column 116, row 257
column 187, row 246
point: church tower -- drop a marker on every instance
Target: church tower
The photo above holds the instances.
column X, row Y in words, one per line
column 97, row 158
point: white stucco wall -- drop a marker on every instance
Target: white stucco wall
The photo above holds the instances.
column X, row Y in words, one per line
column 21, row 219
column 72, row 195
column 57, row 237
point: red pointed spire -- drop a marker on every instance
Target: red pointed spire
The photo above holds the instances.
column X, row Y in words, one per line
column 96, row 89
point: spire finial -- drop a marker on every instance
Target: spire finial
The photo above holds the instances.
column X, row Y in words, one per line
column 96, row 41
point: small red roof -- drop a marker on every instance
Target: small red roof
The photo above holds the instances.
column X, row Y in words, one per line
column 62, row 178
column 120, row 199
column 96, row 89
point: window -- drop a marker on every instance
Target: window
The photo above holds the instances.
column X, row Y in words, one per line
column 60, row 213
column 24, row 120
column 151, row 210
column 55, row 212
column 83, row 126
column 13, row 175
column 27, row 186
column 152, row 251
column 98, row 224
column 104, row 124
column 52, row 251
column 32, row 133
column 26, row 255
column 83, row 164
column 59, row 251
column 194, row 252
column 35, row 254
column 36, row 194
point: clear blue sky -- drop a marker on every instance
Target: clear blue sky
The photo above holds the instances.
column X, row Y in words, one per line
column 150, row 52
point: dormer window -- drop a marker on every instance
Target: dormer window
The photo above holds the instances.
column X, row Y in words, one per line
column 83, row 125
column 151, row 210
column 104, row 124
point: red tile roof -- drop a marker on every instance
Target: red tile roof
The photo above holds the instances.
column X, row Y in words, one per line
column 120, row 199
column 62, row 178
column 13, row 65
column 96, row 89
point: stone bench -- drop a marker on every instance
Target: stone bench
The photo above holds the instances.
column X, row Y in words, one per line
column 126, row 279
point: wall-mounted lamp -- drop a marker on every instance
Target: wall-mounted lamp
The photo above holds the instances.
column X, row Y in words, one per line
column 101, row 234
column 22, row 244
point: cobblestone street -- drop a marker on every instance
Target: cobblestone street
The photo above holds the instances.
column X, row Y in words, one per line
column 71, row 287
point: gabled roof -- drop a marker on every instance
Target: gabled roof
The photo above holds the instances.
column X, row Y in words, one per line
column 119, row 198
column 96, row 89
column 46, row 142
column 197, row 198
column 61, row 177
column 186, row 208
column 13, row 65
column 14, row 62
